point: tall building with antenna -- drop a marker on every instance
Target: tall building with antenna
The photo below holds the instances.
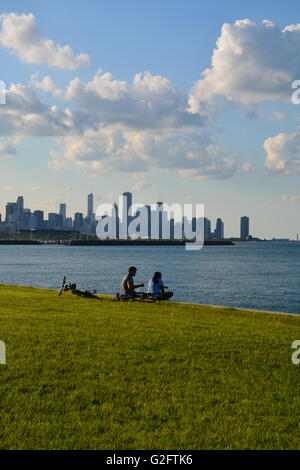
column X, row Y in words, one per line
column 159, row 208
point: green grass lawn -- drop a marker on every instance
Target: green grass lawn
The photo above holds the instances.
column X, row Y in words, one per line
column 86, row 374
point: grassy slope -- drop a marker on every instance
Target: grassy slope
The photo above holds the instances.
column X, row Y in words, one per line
column 83, row 374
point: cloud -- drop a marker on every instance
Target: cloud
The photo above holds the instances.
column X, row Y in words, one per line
column 7, row 149
column 112, row 126
column 116, row 127
column 150, row 101
column 7, row 188
column 252, row 63
column 247, row 167
column 34, row 189
column 114, row 149
column 153, row 132
column 21, row 99
column 46, row 84
column 277, row 116
column 25, row 116
column 21, row 36
column 140, row 185
column 283, row 153
column 291, row 198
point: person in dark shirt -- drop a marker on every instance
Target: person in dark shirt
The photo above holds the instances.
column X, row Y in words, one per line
column 127, row 286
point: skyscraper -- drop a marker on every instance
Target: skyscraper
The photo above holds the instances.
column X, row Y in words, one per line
column 149, row 220
column 63, row 210
column 244, row 227
column 55, row 221
column 39, row 216
column 78, row 221
column 219, row 229
column 159, row 209
column 10, row 212
column 172, row 229
column 90, row 208
column 207, row 229
column 20, row 208
column 116, row 215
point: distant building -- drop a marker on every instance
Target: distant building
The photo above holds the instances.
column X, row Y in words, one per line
column 159, row 208
column 116, row 209
column 219, row 232
column 19, row 209
column 149, row 221
column 55, row 221
column 207, row 229
column 172, row 229
column 78, row 221
column 28, row 219
column 90, row 206
column 10, row 212
column 69, row 223
column 63, row 211
column 39, row 216
column 244, row 228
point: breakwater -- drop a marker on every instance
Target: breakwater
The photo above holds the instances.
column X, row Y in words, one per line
column 113, row 242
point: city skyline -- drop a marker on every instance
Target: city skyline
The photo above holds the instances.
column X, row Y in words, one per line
column 87, row 224
column 18, row 218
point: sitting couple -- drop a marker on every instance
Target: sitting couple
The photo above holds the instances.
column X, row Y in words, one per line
column 156, row 287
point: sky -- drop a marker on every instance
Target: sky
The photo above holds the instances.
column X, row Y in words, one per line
column 188, row 99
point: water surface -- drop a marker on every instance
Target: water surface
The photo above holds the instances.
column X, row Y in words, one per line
column 251, row 275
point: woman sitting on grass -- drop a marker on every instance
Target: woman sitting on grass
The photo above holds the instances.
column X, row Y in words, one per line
column 157, row 288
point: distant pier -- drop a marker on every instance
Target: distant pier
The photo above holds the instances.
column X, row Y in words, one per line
column 113, row 242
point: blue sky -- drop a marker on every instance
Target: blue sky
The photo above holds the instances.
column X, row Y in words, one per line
column 174, row 40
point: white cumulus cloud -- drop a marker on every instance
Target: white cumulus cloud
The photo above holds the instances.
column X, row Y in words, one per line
column 283, row 153
column 46, row 84
column 252, row 63
column 24, row 115
column 154, row 133
column 150, row 101
column 21, row 36
column 117, row 149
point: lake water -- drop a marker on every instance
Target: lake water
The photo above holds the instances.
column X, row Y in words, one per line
column 251, row 275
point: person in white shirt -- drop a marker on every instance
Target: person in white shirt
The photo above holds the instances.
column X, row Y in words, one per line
column 157, row 288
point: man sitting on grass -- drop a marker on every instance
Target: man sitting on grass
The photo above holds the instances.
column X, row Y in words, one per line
column 127, row 287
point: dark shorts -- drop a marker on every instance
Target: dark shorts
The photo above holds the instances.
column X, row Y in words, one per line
column 165, row 296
